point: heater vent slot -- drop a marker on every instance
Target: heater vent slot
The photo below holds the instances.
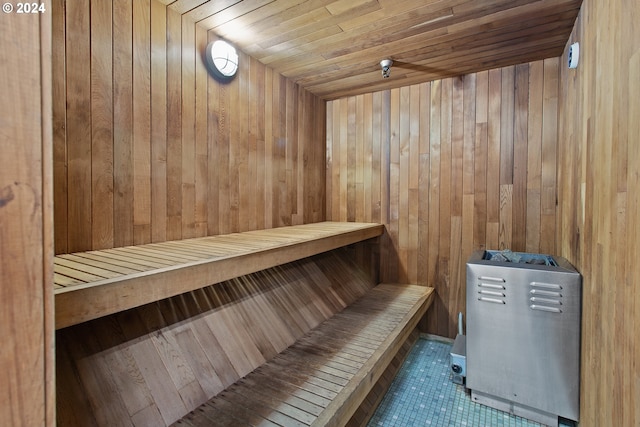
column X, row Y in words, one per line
column 539, row 300
column 492, row 279
column 545, row 308
column 545, row 297
column 492, row 300
column 493, row 292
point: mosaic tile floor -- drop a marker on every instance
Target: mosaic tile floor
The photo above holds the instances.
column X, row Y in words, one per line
column 422, row 394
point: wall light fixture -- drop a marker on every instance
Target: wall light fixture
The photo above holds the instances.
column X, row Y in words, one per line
column 222, row 60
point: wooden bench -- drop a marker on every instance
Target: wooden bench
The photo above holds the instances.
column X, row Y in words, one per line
column 324, row 376
column 93, row 284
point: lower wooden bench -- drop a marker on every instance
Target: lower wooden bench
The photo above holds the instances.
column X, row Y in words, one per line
column 322, row 379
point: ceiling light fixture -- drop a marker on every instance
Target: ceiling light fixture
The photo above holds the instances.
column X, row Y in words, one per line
column 222, row 60
column 386, row 68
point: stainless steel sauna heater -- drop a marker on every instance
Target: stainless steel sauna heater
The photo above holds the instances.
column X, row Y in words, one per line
column 523, row 334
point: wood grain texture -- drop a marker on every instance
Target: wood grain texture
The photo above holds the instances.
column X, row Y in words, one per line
column 115, row 280
column 102, row 143
column 78, row 114
column 59, row 114
column 599, row 205
column 141, row 101
column 148, row 147
column 337, row 363
column 467, row 163
column 159, row 122
column 48, row 226
column 26, row 221
column 333, row 47
column 122, row 132
column 155, row 363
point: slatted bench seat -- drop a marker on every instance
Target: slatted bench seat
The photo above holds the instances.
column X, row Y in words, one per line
column 93, row 284
column 324, row 376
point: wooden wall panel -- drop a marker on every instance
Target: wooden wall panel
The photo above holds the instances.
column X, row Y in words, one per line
column 148, row 147
column 26, row 221
column 153, row 364
column 456, row 165
column 599, row 204
column 78, row 114
column 102, row 126
column 122, row 135
column 159, row 120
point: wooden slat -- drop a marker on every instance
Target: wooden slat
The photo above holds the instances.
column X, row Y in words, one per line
column 61, row 280
column 164, row 269
column 76, row 274
column 59, row 113
column 443, row 278
column 202, row 164
column 159, row 122
column 114, row 259
column 213, row 108
column 159, row 254
column 123, row 117
column 493, row 158
column 188, row 61
column 549, row 185
column 89, row 261
column 139, row 257
column 141, row 142
column 78, row 114
column 102, row 175
column 520, row 143
column 86, row 268
column 476, row 194
column 434, row 194
column 174, row 126
column 534, row 156
column 332, row 383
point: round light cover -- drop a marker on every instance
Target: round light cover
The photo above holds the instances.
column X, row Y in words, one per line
column 222, row 59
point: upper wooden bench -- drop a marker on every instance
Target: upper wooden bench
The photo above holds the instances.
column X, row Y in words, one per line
column 324, row 377
column 93, row 284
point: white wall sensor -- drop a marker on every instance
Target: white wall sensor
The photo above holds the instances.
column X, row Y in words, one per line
column 574, row 55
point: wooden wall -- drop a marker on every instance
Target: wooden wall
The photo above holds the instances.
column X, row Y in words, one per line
column 449, row 167
column 148, row 147
column 153, row 364
column 26, row 223
column 599, row 204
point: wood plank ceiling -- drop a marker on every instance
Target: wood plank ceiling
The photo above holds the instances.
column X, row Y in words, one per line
column 333, row 47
